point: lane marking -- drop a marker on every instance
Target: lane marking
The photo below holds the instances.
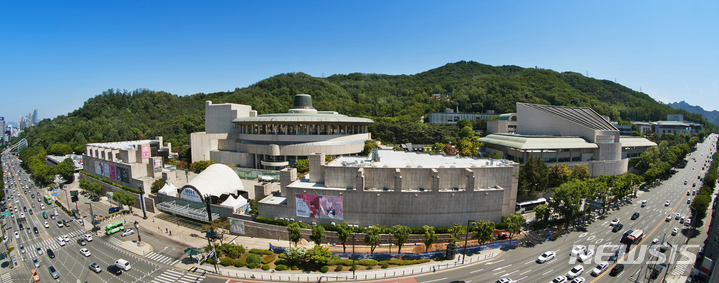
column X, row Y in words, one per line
column 476, row 271
column 548, row 272
column 525, row 272
column 434, row 280
column 498, row 268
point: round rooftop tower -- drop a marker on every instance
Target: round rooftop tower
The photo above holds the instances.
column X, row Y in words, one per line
column 303, row 104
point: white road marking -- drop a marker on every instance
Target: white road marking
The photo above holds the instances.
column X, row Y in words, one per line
column 476, row 271
column 530, row 261
column 498, row 268
column 525, row 272
column 520, row 279
column 490, row 263
column 548, row 272
column 434, row 280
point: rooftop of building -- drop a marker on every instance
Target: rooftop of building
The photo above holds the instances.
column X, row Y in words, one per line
column 584, row 116
column 124, row 145
column 538, row 142
column 401, row 159
column 303, row 112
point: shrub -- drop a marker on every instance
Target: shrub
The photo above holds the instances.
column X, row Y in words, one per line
column 253, row 258
column 282, row 256
column 210, row 260
column 239, row 263
column 370, row 267
column 384, row 264
column 268, row 258
column 294, row 267
column 226, row 261
column 261, row 252
column 251, row 265
column 265, row 267
column 368, row 262
column 338, row 268
column 324, row 269
column 281, row 267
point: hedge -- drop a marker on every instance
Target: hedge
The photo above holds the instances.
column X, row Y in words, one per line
column 265, row 267
column 324, row 269
column 226, row 261
column 404, row 262
column 281, row 267
column 261, row 252
column 239, row 263
column 368, row 262
column 268, row 259
column 251, row 265
column 338, row 268
column 384, row 264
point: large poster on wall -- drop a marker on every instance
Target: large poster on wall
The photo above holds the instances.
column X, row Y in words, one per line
column 98, row 168
column 121, row 174
column 237, row 226
column 314, row 206
column 105, row 169
column 145, row 151
column 158, row 165
column 112, row 172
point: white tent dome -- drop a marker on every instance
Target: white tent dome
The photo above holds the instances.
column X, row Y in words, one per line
column 216, row 180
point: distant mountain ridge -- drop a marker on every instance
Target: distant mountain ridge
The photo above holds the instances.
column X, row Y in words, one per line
column 712, row 117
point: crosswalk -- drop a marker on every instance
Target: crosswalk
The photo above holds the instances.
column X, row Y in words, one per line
column 171, row 276
column 162, row 258
column 681, row 265
column 5, row 278
column 31, row 250
column 114, row 241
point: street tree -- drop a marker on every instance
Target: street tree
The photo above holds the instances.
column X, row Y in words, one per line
column 567, row 199
column 318, row 234
column 533, row 177
column 124, row 198
column 542, row 212
column 429, row 237
column 295, row 232
column 484, row 231
column 457, row 229
column 514, row 224
column 343, row 233
column 401, row 235
column 371, row 237
column 318, row 255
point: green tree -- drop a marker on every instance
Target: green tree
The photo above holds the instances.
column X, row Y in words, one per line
column 343, row 233
column 368, row 146
column 466, row 133
column 318, row 234
column 580, row 172
column 66, row 169
column 567, row 199
column 401, row 235
column 437, row 148
column 318, row 255
column 533, row 177
column 295, row 255
column 456, row 230
column 496, row 154
column 463, row 123
column 157, row 185
column 201, row 165
column 559, row 174
column 542, row 212
column 295, row 232
column 302, row 165
column 371, row 237
column 514, row 224
column 429, row 237
column 484, row 231
column 124, row 198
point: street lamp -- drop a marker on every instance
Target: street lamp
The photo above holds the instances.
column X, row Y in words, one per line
column 466, row 236
column 139, row 240
column 353, row 255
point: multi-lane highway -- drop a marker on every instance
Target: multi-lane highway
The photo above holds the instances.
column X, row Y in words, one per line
column 71, row 265
column 520, row 264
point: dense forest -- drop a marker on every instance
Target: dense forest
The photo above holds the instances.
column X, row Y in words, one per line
column 395, row 102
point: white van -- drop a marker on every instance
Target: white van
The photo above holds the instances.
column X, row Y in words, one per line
column 121, row 263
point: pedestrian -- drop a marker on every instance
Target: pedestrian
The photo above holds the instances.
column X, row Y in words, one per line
column 170, row 232
column 165, row 229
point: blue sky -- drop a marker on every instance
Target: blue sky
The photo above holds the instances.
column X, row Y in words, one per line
column 54, row 55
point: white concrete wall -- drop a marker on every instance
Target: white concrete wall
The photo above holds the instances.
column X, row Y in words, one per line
column 218, row 117
column 531, row 121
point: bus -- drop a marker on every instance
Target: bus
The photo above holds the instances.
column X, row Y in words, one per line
column 523, row 207
column 48, row 200
column 635, row 236
column 114, row 227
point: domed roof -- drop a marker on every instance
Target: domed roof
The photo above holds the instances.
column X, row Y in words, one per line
column 216, row 180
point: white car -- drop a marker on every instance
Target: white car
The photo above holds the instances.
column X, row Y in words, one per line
column 504, row 280
column 127, row 232
column 46, row 224
column 66, row 238
column 667, row 203
column 576, row 271
column 656, row 240
column 560, row 279
column 677, row 216
column 681, row 220
column 577, row 250
column 586, row 255
column 88, row 238
column 600, row 268
column 17, row 235
column 38, row 249
column 59, row 224
column 675, row 231
column 22, row 215
column 615, row 221
column 60, row 241
column 85, row 252
column 578, row 280
column 688, row 222
column 669, row 218
column 42, row 206
column 545, row 257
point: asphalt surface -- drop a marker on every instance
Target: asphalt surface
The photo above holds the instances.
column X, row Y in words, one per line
column 520, row 263
column 71, row 265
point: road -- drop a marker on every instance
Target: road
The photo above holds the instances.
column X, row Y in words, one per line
column 520, row 263
column 70, row 264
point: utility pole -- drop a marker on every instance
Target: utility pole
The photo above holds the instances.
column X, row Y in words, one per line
column 466, row 236
column 211, row 234
column 353, row 255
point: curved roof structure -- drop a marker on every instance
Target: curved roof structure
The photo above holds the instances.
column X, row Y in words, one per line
column 532, row 142
column 216, row 180
column 298, row 118
column 584, row 116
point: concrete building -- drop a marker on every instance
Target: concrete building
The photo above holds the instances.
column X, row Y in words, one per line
column 505, row 124
column 135, row 164
column 573, row 135
column 674, row 124
column 235, row 135
column 449, row 117
column 396, row 187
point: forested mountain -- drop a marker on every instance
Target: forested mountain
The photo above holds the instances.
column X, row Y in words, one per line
column 712, row 117
column 395, row 102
